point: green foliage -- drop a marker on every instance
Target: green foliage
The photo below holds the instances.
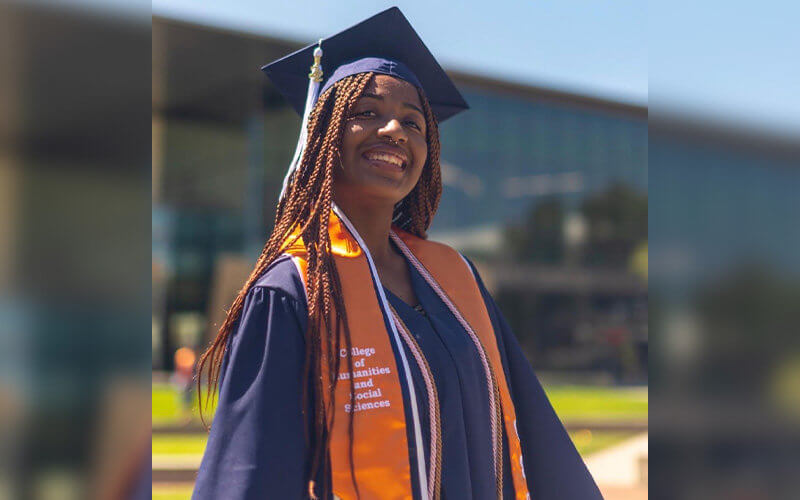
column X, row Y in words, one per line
column 598, row 403
column 617, row 223
column 750, row 315
column 588, row 442
column 179, row 444
column 540, row 237
column 168, row 406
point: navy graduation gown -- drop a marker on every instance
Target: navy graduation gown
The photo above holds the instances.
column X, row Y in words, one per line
column 256, row 446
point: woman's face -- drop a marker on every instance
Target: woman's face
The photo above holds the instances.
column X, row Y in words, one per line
column 384, row 145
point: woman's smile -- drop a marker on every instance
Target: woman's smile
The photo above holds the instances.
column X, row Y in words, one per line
column 386, row 158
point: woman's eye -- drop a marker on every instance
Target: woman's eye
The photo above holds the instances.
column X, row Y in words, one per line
column 366, row 113
column 414, row 124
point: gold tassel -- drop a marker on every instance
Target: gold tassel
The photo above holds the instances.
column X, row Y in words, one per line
column 316, row 69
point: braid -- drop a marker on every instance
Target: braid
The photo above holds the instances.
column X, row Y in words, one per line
column 305, row 210
column 415, row 213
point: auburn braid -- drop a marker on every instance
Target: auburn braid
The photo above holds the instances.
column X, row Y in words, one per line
column 304, row 211
column 415, row 212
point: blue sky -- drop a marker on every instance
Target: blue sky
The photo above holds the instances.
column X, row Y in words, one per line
column 729, row 59
column 735, row 62
column 549, row 43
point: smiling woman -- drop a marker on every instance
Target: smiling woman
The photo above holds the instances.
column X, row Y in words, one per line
column 361, row 360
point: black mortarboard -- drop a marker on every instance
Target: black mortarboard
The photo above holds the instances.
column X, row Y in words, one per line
column 385, row 43
column 376, row 44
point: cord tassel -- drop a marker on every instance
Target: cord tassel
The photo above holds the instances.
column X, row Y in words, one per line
column 311, row 493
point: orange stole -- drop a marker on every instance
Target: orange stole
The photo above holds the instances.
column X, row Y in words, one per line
column 452, row 273
column 380, row 447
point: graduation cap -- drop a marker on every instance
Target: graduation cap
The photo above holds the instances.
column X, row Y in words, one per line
column 386, row 43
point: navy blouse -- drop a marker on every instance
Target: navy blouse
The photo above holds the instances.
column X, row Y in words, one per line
column 256, row 445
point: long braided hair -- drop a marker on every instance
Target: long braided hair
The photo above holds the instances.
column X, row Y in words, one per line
column 304, row 211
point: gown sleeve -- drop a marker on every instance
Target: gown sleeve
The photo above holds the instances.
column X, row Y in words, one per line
column 256, row 447
column 553, row 466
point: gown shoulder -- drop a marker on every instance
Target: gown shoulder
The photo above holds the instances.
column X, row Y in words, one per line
column 256, row 446
column 283, row 276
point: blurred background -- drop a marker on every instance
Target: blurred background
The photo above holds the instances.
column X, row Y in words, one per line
column 597, row 131
column 74, row 250
column 724, row 152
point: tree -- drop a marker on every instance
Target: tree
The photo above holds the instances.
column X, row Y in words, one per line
column 540, row 236
column 617, row 223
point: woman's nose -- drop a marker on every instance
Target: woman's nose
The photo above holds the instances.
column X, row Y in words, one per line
column 394, row 130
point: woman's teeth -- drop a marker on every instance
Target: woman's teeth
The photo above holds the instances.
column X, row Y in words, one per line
column 385, row 158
